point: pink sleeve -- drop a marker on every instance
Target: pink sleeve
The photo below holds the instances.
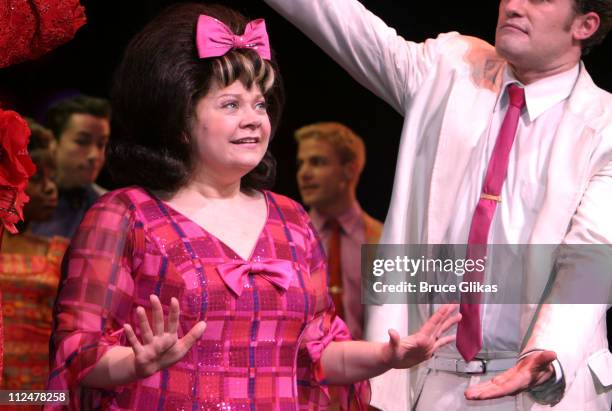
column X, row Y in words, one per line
column 324, row 328
column 95, row 297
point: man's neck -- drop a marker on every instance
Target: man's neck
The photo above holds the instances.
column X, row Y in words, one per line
column 529, row 76
column 336, row 208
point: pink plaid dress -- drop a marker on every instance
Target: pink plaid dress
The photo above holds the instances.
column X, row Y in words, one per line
column 261, row 349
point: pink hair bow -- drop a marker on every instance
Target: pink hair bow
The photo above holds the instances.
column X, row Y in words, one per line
column 214, row 39
column 277, row 272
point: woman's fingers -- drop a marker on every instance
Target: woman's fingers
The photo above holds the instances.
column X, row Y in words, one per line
column 434, row 323
column 444, row 311
column 145, row 330
column 443, row 341
column 173, row 317
column 449, row 323
column 182, row 346
column 192, row 336
column 445, row 319
column 394, row 338
column 158, row 315
column 158, row 334
column 132, row 339
column 435, row 319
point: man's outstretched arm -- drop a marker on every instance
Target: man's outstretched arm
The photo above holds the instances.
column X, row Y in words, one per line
column 372, row 52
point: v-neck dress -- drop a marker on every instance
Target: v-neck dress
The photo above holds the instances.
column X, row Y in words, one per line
column 261, row 348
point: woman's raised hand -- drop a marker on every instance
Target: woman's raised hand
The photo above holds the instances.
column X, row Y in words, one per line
column 413, row 349
column 160, row 347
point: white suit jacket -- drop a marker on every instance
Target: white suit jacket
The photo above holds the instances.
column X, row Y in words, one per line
column 446, row 89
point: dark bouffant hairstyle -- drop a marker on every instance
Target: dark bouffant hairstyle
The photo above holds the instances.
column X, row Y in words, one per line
column 156, row 90
column 59, row 114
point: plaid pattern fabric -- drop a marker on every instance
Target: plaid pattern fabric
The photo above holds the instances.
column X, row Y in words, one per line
column 131, row 245
column 29, row 286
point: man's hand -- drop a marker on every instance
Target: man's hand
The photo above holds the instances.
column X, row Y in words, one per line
column 532, row 370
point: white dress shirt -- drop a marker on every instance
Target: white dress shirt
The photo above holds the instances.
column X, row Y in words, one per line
column 522, row 196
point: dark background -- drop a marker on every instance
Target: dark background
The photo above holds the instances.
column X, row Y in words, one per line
column 317, row 89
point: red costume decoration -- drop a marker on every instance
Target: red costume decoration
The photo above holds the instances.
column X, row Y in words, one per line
column 28, row 29
column 31, row 28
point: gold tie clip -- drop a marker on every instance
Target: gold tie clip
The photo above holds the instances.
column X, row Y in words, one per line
column 490, row 197
column 334, row 289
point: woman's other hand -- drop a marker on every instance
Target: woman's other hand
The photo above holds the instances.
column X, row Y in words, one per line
column 416, row 348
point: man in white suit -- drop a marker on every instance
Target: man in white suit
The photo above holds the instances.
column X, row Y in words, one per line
column 454, row 93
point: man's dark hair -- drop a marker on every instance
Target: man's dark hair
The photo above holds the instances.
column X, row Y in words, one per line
column 58, row 116
column 603, row 8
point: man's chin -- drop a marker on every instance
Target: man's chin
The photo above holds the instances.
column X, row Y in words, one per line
column 510, row 51
column 307, row 197
column 307, row 201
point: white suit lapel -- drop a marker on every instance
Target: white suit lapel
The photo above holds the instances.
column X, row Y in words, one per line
column 568, row 176
column 467, row 116
column 573, row 146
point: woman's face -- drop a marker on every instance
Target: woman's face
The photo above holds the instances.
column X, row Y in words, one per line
column 41, row 188
column 231, row 130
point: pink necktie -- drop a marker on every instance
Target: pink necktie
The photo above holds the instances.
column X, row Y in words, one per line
column 469, row 331
column 278, row 272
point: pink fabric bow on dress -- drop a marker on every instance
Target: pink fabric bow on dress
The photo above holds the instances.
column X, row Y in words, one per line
column 214, row 39
column 277, row 272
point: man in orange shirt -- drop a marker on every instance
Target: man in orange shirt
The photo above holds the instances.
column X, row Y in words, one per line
column 330, row 160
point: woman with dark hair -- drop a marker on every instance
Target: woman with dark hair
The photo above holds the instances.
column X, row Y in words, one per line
column 195, row 106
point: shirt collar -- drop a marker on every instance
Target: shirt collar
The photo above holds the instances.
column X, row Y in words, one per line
column 542, row 94
column 349, row 220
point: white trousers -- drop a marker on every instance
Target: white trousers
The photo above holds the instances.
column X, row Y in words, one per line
column 444, row 391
